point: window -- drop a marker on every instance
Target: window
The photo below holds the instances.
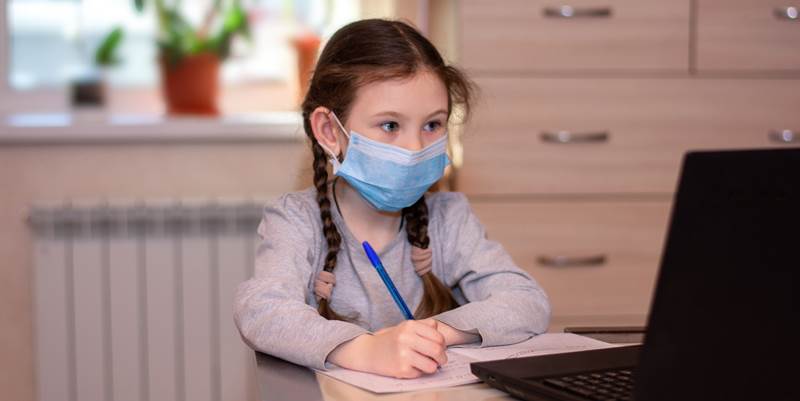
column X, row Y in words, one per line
column 52, row 42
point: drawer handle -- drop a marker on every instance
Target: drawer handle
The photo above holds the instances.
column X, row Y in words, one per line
column 784, row 136
column 570, row 261
column 574, row 137
column 787, row 13
column 572, row 12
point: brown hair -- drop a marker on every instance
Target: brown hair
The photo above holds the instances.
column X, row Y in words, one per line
column 360, row 53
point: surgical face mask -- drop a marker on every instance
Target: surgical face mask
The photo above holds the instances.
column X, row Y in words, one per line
column 389, row 177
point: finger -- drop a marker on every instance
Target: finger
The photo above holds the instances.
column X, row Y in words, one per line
column 430, row 349
column 423, row 363
column 429, row 331
column 408, row 372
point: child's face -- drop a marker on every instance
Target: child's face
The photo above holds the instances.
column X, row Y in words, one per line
column 409, row 113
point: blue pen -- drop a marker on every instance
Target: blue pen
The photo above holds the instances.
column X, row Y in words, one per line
column 373, row 257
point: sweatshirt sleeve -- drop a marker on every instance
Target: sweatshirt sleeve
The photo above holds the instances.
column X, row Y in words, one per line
column 505, row 304
column 270, row 309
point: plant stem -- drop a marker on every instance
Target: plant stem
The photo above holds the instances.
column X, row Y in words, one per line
column 161, row 12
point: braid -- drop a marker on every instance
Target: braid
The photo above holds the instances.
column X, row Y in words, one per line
column 332, row 236
column 417, row 223
column 436, row 297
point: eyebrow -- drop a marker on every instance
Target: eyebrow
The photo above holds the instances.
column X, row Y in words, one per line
column 398, row 115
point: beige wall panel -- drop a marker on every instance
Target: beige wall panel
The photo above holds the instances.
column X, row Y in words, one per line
column 35, row 173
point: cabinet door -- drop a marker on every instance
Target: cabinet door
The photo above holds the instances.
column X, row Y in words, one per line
column 742, row 35
column 592, row 258
column 624, row 135
column 524, row 35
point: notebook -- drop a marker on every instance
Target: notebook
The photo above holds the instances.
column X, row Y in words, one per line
column 723, row 317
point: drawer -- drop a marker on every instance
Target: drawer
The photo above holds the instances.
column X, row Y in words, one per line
column 628, row 236
column 510, row 145
column 523, row 35
column 741, row 35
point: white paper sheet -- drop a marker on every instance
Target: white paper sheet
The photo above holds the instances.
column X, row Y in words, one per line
column 548, row 343
column 456, row 371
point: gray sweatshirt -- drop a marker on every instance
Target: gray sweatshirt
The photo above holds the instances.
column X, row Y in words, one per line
column 276, row 310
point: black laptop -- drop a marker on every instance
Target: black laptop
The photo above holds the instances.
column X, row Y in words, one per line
column 724, row 318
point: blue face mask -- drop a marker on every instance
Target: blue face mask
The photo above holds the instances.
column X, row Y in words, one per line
column 389, row 177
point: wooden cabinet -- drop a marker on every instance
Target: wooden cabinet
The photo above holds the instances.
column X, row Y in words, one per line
column 748, row 35
column 591, row 257
column 574, row 149
column 523, row 35
column 620, row 135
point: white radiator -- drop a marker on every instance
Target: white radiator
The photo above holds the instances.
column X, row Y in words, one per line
column 135, row 302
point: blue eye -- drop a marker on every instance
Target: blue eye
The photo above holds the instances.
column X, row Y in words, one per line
column 390, row 126
column 432, row 126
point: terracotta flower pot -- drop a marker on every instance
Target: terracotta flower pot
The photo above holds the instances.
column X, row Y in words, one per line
column 306, row 46
column 191, row 86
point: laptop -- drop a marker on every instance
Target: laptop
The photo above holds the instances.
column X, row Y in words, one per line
column 724, row 314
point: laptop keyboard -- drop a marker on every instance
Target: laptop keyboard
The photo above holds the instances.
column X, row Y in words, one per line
column 601, row 386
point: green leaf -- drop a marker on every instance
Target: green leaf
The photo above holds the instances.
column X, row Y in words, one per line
column 106, row 52
column 178, row 34
column 170, row 54
column 234, row 23
column 139, row 5
column 178, row 39
column 235, row 18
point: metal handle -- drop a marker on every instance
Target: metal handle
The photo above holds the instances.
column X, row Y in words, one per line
column 784, row 136
column 569, row 261
column 787, row 13
column 574, row 137
column 567, row 11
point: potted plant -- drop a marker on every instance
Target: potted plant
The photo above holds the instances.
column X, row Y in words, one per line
column 88, row 89
column 189, row 57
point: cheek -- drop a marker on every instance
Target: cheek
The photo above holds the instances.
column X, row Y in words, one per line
column 429, row 138
column 381, row 138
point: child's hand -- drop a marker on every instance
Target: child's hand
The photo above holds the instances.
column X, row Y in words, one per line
column 406, row 351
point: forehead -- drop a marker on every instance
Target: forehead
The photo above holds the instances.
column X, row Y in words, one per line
column 420, row 94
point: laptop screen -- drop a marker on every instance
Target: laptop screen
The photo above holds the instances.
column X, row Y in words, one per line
column 723, row 317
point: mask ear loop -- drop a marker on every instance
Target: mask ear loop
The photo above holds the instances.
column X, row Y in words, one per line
column 333, row 158
column 339, row 123
column 331, row 155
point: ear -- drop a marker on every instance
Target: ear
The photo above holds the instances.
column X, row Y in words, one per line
column 326, row 130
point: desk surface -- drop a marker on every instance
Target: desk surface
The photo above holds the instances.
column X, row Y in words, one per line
column 279, row 380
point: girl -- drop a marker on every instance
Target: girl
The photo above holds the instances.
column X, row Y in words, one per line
column 377, row 110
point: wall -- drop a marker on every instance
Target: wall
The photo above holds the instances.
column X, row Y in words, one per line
column 35, row 173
